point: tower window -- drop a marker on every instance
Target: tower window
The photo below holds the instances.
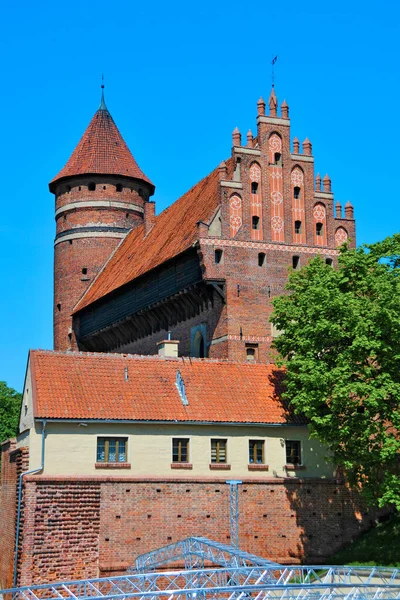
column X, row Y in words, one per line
column 261, row 259
column 218, row 256
column 104, row 187
column 140, row 192
column 58, row 307
column 118, row 187
column 329, row 262
column 297, row 192
column 251, row 352
column 297, row 226
column 255, row 222
column 68, row 188
column 319, row 228
column 278, row 158
column 79, row 188
column 84, row 271
column 254, row 187
column 91, row 186
column 296, row 262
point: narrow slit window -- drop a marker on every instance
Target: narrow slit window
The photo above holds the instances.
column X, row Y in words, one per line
column 84, row 271
column 118, row 187
column 319, row 228
column 297, row 226
column 261, row 259
column 297, row 192
column 254, row 187
column 296, row 262
column 91, row 186
column 255, row 222
column 218, row 256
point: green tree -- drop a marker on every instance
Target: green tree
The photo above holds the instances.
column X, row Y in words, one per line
column 10, row 405
column 340, row 343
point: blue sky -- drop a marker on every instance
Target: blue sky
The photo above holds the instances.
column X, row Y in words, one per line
column 180, row 76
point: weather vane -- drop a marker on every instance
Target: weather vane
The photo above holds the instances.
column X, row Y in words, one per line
column 102, row 81
column 273, row 71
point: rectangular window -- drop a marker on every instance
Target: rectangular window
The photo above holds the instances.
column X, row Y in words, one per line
column 111, row 450
column 218, row 451
column 293, row 452
column 256, row 452
column 180, row 450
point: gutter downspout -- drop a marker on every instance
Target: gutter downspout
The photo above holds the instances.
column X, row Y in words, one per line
column 20, row 502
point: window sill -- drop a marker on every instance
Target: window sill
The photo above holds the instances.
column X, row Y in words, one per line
column 257, row 467
column 108, row 465
column 294, row 467
column 219, row 467
column 181, row 465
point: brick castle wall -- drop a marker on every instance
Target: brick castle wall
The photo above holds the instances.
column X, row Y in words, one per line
column 13, row 462
column 81, row 528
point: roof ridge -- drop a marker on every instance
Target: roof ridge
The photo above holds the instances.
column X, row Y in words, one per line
column 174, row 231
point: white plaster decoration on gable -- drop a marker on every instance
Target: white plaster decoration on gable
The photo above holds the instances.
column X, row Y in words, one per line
column 99, row 204
column 219, row 340
column 271, row 246
column 90, row 234
column 273, row 121
column 253, row 151
column 232, row 184
column 302, row 157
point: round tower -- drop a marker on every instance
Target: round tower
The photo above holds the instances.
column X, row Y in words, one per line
column 100, row 196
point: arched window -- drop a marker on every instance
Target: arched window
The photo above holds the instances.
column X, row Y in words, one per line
column 296, row 262
column 255, row 222
column 297, row 227
column 296, row 192
column 91, row 186
column 261, row 259
column 254, row 187
column 198, row 346
column 319, row 229
column 218, row 256
column 118, row 187
column 278, row 158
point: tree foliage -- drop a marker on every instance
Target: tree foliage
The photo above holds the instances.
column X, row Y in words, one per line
column 10, row 405
column 340, row 343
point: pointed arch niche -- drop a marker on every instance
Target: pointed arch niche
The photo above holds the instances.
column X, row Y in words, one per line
column 255, row 202
column 298, row 214
column 319, row 217
column 276, row 188
column 341, row 236
column 235, row 214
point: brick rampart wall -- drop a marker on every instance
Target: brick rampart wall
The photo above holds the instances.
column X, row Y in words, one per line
column 13, row 462
column 75, row 528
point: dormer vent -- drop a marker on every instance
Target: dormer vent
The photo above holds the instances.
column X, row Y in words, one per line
column 180, row 384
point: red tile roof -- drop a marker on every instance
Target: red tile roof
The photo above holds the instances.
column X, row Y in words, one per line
column 94, row 386
column 174, row 231
column 101, row 150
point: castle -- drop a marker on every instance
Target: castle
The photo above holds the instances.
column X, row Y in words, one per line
column 161, row 386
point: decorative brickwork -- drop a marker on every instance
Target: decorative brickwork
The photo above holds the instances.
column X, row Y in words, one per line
column 93, row 527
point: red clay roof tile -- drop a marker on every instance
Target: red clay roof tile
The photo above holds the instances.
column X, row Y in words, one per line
column 174, row 231
column 94, row 386
column 101, row 150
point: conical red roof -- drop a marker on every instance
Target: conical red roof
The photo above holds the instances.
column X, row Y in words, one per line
column 101, row 150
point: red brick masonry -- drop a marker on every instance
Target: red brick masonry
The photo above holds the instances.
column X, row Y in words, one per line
column 88, row 527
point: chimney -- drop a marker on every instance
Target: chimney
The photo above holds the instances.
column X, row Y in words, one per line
column 149, row 216
column 168, row 347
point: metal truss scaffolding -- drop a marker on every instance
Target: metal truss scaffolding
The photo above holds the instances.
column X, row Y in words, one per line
column 195, row 553
column 233, row 583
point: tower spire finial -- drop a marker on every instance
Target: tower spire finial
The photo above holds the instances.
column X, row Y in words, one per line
column 102, row 103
